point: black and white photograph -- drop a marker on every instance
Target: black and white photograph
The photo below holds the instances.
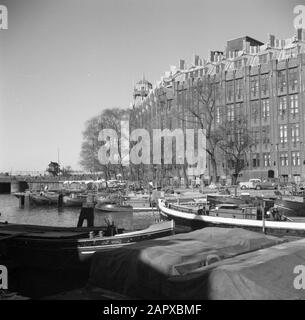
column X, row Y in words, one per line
column 152, row 151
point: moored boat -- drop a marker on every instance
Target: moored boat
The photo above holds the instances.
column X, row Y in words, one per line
column 58, row 248
column 52, row 197
column 294, row 207
column 248, row 220
column 113, row 207
column 74, row 200
column 39, row 199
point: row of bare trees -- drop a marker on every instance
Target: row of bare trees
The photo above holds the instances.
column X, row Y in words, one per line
column 229, row 136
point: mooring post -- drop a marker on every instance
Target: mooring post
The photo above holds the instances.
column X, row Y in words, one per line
column 21, row 201
column 27, row 200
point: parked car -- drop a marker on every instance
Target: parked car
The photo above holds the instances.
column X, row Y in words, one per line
column 251, row 184
column 266, row 185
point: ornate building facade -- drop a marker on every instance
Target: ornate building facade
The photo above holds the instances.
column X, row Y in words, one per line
column 264, row 81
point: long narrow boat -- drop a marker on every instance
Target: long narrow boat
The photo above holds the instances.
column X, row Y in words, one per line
column 59, row 248
column 186, row 217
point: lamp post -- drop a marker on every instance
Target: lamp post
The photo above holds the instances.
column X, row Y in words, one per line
column 263, row 213
column 277, row 161
column 301, row 162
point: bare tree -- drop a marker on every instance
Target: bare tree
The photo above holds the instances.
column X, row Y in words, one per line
column 200, row 112
column 108, row 119
column 235, row 141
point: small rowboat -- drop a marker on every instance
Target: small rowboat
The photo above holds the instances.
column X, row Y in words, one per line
column 39, row 199
column 113, row 207
column 74, row 201
column 52, row 197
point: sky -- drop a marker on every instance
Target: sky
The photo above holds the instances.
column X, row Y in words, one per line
column 64, row 61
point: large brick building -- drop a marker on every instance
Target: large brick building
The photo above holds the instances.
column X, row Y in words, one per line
column 265, row 81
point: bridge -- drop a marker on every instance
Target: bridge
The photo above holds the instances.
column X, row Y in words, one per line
column 11, row 184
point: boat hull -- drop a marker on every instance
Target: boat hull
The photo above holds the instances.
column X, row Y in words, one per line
column 56, row 251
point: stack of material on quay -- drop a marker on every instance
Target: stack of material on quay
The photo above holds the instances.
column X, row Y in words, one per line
column 183, row 266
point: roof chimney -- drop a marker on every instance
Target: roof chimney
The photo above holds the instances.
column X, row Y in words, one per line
column 272, row 40
column 300, row 34
column 181, row 64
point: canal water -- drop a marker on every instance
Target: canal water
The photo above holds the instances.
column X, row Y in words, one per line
column 68, row 217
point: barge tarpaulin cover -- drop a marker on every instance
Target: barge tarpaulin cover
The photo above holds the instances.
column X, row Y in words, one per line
column 193, row 266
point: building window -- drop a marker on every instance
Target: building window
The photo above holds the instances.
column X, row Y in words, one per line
column 217, row 91
column 282, row 81
column 282, row 106
column 239, row 110
column 295, row 133
column 294, row 105
column 293, row 79
column 289, row 53
column 265, row 84
column 255, row 111
column 295, row 158
column 254, row 86
column 255, row 160
column 255, row 137
column 267, row 159
column 266, row 134
column 239, row 136
column 239, row 88
column 230, row 90
column 266, row 108
column 263, row 58
column 230, row 113
column 284, row 159
column 283, row 134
